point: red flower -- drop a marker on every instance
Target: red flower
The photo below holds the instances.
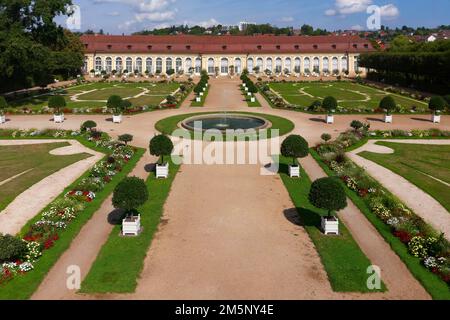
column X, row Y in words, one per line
column 404, row 236
column 363, row 192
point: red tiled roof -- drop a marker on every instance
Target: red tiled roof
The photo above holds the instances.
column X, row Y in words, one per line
column 185, row 44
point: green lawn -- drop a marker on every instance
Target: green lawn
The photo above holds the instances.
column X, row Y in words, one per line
column 94, row 95
column 35, row 162
column 349, row 95
column 121, row 259
column 194, row 103
column 344, row 262
column 426, row 166
column 247, row 99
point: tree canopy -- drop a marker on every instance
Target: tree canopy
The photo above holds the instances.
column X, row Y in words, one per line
column 295, row 146
column 129, row 194
column 161, row 146
column 328, row 194
column 437, row 103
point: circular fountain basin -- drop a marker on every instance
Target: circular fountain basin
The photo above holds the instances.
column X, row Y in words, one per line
column 224, row 122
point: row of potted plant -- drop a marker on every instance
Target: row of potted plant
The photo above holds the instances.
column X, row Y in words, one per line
column 248, row 86
column 421, row 240
column 19, row 254
column 201, row 86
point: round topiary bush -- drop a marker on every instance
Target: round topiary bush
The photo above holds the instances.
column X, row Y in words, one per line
column 3, row 104
column 437, row 104
column 56, row 103
column 11, row 248
column 356, row 125
column 330, row 104
column 115, row 102
column 328, row 194
column 326, row 137
column 161, row 146
column 129, row 194
column 388, row 103
column 88, row 125
column 294, row 147
column 126, row 138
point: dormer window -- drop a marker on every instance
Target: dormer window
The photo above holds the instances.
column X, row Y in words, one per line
column 297, row 47
column 224, row 47
column 149, row 47
column 129, row 46
column 188, row 47
column 355, row 46
column 315, row 46
column 109, row 46
column 366, row 46
column 86, row 45
column 169, row 47
column 278, row 47
column 334, row 46
column 259, row 47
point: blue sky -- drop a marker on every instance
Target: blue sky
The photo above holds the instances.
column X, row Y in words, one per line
column 126, row 16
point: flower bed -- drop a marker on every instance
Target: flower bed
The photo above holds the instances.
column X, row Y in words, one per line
column 42, row 234
column 421, row 240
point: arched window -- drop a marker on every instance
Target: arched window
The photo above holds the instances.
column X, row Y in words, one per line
column 188, row 65
column 356, row 64
column 178, row 65
column 287, row 65
column 307, row 65
column 129, row 65
column 269, row 64
column 260, row 64
column 198, row 65
column 211, row 66
column 119, row 65
column 297, row 65
column 335, row 65
column 158, row 65
column 139, row 65
column 238, row 65
column 278, row 65
column 149, row 65
column 224, row 66
column 98, row 64
column 108, row 67
column 316, row 65
column 326, row 65
column 250, row 65
column 344, row 64
column 169, row 65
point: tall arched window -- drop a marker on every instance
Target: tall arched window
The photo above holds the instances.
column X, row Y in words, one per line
column 119, row 65
column 344, row 64
column 149, row 65
column 129, row 65
column 297, row 65
column 316, row 65
column 178, row 65
column 158, row 65
column 326, row 65
column 188, row 65
column 335, row 65
column 238, row 65
column 224, row 66
column 356, row 59
column 108, row 67
column 269, row 64
column 211, row 66
column 307, row 65
column 278, row 65
column 198, row 65
column 250, row 65
column 287, row 65
column 139, row 65
column 98, row 64
column 169, row 65
column 260, row 64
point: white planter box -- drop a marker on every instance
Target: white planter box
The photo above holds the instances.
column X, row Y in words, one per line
column 162, row 170
column 294, row 171
column 2, row 119
column 246, row 89
column 249, row 94
column 58, row 118
column 330, row 119
column 244, row 85
column 330, row 225
column 198, row 99
column 206, row 85
column 252, row 99
column 117, row 118
column 201, row 93
column 204, row 89
column 387, row 119
column 131, row 226
column 436, row 118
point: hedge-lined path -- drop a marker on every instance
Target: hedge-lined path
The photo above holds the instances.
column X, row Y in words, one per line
column 85, row 247
column 33, row 200
column 415, row 198
column 399, row 281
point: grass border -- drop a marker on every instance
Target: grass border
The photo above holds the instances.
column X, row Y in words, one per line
column 250, row 104
column 196, row 104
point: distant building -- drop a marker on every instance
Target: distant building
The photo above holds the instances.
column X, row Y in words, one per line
column 244, row 24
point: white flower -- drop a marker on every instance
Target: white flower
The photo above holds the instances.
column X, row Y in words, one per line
column 26, row 266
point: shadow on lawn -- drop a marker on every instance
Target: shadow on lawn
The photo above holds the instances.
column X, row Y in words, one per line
column 317, row 120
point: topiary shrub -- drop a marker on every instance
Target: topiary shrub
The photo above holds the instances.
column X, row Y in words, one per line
column 126, row 138
column 88, row 125
column 315, row 105
column 356, row 125
column 388, row 103
column 326, row 137
column 437, row 104
column 3, row 105
column 11, row 248
column 129, row 194
column 115, row 102
column 330, row 104
column 161, row 146
column 294, row 147
column 56, row 103
column 328, row 194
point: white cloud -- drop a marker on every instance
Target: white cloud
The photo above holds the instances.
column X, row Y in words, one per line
column 155, row 16
column 352, row 6
column 357, row 28
column 330, row 12
column 287, row 19
column 205, row 24
column 389, row 11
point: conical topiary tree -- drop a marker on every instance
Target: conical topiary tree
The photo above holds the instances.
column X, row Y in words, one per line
column 437, row 104
column 161, row 146
column 294, row 147
column 328, row 194
column 330, row 104
column 56, row 103
column 388, row 103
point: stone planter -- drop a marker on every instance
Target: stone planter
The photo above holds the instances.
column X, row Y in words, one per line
column 198, row 99
column 330, row 119
column 117, row 118
column 436, row 118
column 387, row 118
column 2, row 118
column 330, row 225
column 58, row 118
column 162, row 170
column 294, row 171
column 131, row 226
column 252, row 99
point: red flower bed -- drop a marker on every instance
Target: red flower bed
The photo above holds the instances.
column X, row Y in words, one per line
column 363, row 192
column 404, row 236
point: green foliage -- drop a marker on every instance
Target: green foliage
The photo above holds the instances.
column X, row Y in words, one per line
column 56, row 102
column 326, row 137
column 88, row 125
column 161, row 146
column 330, row 104
column 388, row 103
column 171, row 99
column 437, row 103
column 3, row 103
column 115, row 102
column 126, row 138
column 355, row 124
column 125, row 105
column 11, row 248
column 328, row 194
column 294, row 147
column 129, row 194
